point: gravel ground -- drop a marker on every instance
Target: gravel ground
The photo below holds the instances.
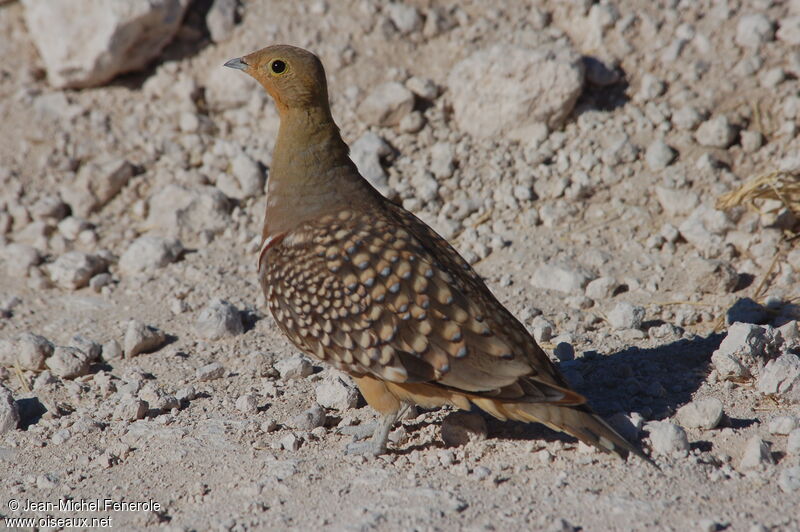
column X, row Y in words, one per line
column 572, row 151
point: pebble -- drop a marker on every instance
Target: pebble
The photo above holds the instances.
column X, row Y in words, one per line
column 366, row 153
column 221, row 19
column 131, row 409
column 20, row 258
column 710, row 276
column 28, row 350
column 659, row 155
column 789, row 32
column 97, row 282
column 247, row 403
column 702, row 413
column 68, row 362
column 667, row 438
column 244, row 180
column 542, row 329
column 677, row 202
column 753, row 30
column 626, row 316
column 386, row 104
column 424, row 88
column 210, row 372
column 756, row 452
column 783, row 425
column 336, row 393
column 158, row 399
column 793, row 442
column 219, row 319
column 716, row 132
column 743, row 348
column 442, row 160
column 461, row 428
column 74, row 269
column 601, row 288
column 308, row 419
column 789, row 479
column 290, row 442
column 294, row 367
column 405, row 17
column 9, row 411
column 148, row 253
column 560, row 278
column 141, row 338
column 781, row 377
column 111, row 350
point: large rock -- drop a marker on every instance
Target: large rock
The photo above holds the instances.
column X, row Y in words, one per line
column 782, row 377
column 85, row 43
column 186, row 212
column 507, row 89
column 744, row 351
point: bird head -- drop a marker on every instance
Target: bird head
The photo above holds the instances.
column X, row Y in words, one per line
column 293, row 77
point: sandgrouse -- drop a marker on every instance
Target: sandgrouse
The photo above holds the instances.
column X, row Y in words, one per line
column 357, row 281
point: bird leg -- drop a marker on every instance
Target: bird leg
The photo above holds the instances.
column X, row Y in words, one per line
column 379, row 432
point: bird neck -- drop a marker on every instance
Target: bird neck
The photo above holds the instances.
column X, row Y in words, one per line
column 311, row 172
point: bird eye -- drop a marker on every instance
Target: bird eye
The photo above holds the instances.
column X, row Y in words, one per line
column 278, row 66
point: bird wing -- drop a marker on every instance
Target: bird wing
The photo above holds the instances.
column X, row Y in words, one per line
column 381, row 293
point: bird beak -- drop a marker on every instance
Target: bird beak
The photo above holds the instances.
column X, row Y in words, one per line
column 237, row 63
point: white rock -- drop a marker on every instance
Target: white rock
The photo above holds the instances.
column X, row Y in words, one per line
column 308, row 419
column 247, row 403
column 28, row 350
column 95, row 40
column 74, row 269
column 158, row 399
column 601, row 288
column 89, row 347
column 131, row 409
column 528, row 86
column 560, row 277
column 442, row 158
column 686, row 118
column 185, row 213
column 224, row 92
column 336, row 393
column 703, row 413
column 793, row 442
column 96, row 184
column 111, row 351
column 717, row 132
column 542, row 329
column 386, row 104
column 211, row 372
column 290, row 442
column 50, row 208
column 789, row 479
column 71, row 226
column 677, row 202
column 68, row 362
column 626, row 316
column 422, row 87
column 704, row 229
column 425, row 185
column 9, row 412
column 221, row 19
column 753, row 30
column 366, row 153
column 404, row 17
column 218, row 320
column 294, row 367
column 244, row 180
column 148, row 253
column 756, row 452
column 141, row 338
column 709, row 276
column 781, row 376
column 743, row 350
column 20, row 258
column 789, row 31
column 667, row 438
column 461, row 428
column 783, row 425
column 659, row 155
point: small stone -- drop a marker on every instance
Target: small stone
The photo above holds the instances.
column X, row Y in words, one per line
column 461, row 428
column 148, row 253
column 751, row 141
column 20, row 258
column 71, row 226
column 659, row 155
column 716, row 133
column 294, row 367
column 405, row 17
column 290, row 442
column 789, row 32
column 442, row 160
column 247, row 403
column 793, row 442
column 667, row 438
column 141, row 338
column 542, row 329
column 74, row 269
column 111, row 351
column 131, row 409
column 424, row 88
column 218, row 320
column 702, row 413
column 244, row 180
column 560, row 278
column 336, row 393
column 366, row 153
column 789, row 479
column 756, row 453
column 68, row 362
column 743, row 350
column 210, row 372
column 308, row 419
column 221, row 19
column 269, row 425
column 158, row 399
column 601, row 288
column 783, row 425
column 626, row 316
column 99, row 281
column 710, row 276
column 28, row 350
column 677, row 202
column 753, row 30
column 686, row 118
column 386, row 104
column 781, row 377
column 91, row 348
column 9, row 412
column 186, row 394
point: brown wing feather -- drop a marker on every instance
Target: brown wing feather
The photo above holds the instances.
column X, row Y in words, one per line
column 383, row 294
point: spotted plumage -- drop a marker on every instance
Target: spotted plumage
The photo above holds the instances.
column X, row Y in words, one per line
column 358, row 282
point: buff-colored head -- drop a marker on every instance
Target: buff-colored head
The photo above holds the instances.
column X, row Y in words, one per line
column 293, row 77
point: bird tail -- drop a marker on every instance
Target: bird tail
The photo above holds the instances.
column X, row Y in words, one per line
column 576, row 420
